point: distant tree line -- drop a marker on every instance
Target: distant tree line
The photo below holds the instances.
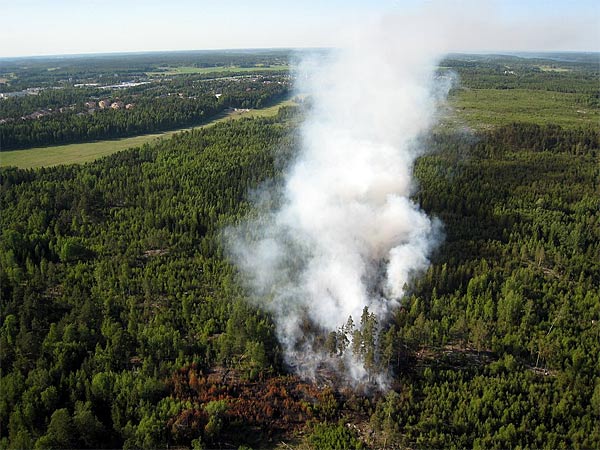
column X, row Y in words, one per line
column 50, row 71
column 156, row 108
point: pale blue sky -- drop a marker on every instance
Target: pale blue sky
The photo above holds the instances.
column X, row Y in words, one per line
column 42, row 27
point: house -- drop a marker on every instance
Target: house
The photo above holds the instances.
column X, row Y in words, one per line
column 104, row 104
column 117, row 105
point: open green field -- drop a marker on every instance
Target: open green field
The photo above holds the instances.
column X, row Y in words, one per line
column 184, row 70
column 476, row 108
column 544, row 68
column 482, row 108
column 90, row 151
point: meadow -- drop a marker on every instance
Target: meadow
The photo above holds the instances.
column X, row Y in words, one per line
column 485, row 108
column 474, row 108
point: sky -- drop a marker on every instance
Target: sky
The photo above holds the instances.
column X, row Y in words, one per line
column 53, row 27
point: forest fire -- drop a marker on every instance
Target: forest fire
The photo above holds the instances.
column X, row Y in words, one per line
column 346, row 236
column 264, row 409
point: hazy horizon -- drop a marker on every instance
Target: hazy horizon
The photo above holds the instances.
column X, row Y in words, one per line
column 68, row 27
column 524, row 53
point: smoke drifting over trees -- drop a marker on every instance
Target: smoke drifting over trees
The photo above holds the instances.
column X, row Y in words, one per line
column 346, row 237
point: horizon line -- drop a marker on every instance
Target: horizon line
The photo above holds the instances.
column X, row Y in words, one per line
column 249, row 49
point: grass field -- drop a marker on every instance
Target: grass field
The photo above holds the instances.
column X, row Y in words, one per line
column 90, row 151
column 554, row 69
column 183, row 70
column 482, row 108
column 475, row 108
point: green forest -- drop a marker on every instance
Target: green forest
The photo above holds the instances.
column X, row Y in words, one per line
column 124, row 325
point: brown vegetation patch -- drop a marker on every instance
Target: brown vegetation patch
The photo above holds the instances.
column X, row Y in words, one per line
column 278, row 406
column 155, row 252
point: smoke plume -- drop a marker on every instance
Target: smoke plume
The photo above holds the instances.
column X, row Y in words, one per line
column 347, row 235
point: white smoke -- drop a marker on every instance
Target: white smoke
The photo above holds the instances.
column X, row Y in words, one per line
column 347, row 235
